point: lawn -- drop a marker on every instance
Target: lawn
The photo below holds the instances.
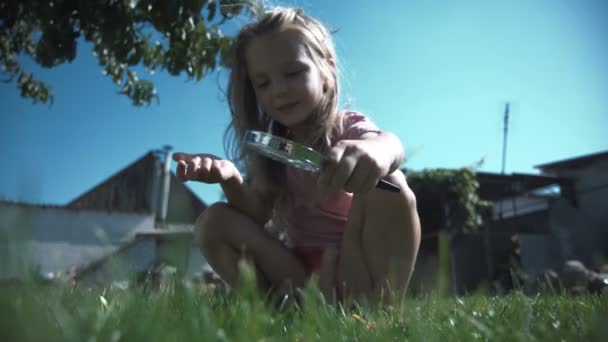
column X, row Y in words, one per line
column 178, row 313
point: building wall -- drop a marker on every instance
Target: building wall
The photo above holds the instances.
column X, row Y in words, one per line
column 539, row 253
column 196, row 261
column 138, row 257
column 174, row 250
column 582, row 231
column 469, row 263
column 577, row 232
column 52, row 239
column 474, row 265
column 515, row 206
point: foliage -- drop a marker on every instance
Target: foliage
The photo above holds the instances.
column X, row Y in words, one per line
column 448, row 199
column 176, row 36
column 183, row 313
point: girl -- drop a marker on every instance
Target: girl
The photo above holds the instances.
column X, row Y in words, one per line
column 355, row 237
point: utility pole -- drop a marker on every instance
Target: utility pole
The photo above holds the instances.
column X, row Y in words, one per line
column 504, row 151
column 504, row 139
column 486, row 231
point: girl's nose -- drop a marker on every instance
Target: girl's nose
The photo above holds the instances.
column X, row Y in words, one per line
column 279, row 88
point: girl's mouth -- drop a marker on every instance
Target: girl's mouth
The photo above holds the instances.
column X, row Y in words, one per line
column 287, row 106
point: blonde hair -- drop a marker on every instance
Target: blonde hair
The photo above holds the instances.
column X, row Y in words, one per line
column 325, row 121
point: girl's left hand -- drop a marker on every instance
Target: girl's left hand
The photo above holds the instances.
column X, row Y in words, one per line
column 355, row 166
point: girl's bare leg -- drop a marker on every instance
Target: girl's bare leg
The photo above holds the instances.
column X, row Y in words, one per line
column 223, row 234
column 353, row 271
column 381, row 242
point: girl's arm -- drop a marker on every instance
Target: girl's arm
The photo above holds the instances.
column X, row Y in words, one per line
column 247, row 200
column 210, row 169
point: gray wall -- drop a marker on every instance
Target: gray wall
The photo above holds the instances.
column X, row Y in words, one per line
column 582, row 231
column 196, row 262
column 576, row 232
column 139, row 256
column 53, row 239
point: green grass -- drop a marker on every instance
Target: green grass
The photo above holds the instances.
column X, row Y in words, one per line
column 178, row 313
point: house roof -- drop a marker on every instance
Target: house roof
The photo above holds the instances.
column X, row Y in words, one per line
column 495, row 186
column 575, row 162
column 24, row 205
column 126, row 190
column 56, row 207
column 130, row 190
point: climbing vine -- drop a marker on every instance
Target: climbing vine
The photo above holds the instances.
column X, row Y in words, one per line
column 447, row 200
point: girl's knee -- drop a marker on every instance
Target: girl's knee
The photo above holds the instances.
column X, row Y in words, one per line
column 392, row 214
column 208, row 225
column 383, row 200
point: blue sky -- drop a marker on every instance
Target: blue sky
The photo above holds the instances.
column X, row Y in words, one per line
column 436, row 73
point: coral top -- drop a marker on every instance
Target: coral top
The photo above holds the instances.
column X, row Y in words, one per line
column 313, row 218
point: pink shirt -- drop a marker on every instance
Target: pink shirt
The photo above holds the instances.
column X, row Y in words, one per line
column 313, row 218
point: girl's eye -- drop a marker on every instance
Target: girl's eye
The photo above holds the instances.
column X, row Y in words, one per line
column 261, row 85
column 294, row 73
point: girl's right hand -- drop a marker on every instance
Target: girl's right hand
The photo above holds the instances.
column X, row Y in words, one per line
column 205, row 168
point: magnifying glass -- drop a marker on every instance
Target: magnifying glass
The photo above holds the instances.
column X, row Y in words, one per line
column 294, row 154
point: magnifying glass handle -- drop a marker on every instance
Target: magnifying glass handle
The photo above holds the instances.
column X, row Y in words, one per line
column 386, row 185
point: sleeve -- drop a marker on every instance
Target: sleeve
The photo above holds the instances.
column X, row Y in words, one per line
column 357, row 124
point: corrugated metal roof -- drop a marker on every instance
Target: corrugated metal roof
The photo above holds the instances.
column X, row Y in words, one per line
column 130, row 190
column 495, row 186
column 127, row 190
column 48, row 206
column 573, row 162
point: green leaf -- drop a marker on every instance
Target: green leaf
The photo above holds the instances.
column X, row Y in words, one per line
column 212, row 7
column 120, row 33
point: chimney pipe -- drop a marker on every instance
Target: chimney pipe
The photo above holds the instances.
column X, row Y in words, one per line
column 155, row 186
column 165, row 184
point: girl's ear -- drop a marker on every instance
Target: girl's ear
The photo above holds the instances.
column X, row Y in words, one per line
column 332, row 63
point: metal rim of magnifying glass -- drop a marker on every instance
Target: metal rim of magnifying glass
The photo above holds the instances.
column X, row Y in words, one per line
column 294, row 153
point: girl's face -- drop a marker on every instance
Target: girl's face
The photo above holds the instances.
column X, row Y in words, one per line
column 288, row 85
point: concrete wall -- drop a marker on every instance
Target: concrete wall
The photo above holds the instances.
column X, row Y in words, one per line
column 139, row 256
column 52, row 239
column 143, row 255
column 469, row 268
column 196, row 261
column 539, row 252
column 582, row 232
column 576, row 231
